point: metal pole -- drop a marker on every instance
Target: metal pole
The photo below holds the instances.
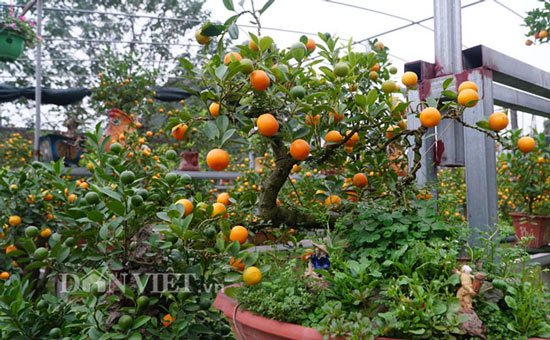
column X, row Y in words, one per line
column 28, row 6
column 38, row 93
column 481, row 175
column 448, row 61
column 514, row 119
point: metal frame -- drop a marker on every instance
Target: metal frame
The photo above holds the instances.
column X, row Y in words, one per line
column 501, row 80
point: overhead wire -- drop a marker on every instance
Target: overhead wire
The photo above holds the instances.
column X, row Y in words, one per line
column 509, row 9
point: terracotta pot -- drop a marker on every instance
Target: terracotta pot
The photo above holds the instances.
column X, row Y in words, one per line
column 254, row 327
column 189, row 161
column 537, row 226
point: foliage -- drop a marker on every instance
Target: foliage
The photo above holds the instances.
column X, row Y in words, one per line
column 15, row 150
column 526, row 177
column 111, row 233
column 537, row 21
column 125, row 84
column 284, row 296
column 19, row 25
column 383, row 231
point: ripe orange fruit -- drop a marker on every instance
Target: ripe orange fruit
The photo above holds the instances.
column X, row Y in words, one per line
column 252, row 275
column 224, row 198
column 526, row 144
column 409, row 79
column 498, row 121
column 10, row 248
column 430, row 117
column 402, row 124
column 389, row 131
column 179, row 131
column 239, row 264
column 219, row 209
column 238, row 233
column 375, row 68
column 467, row 85
column 259, row 80
column 4, row 276
column 14, row 221
column 468, row 98
column 45, row 233
column 299, row 149
column 230, row 56
column 201, row 39
column 267, row 124
column 310, row 46
column 187, row 204
column 333, row 136
column 214, row 108
column 333, row 202
column 167, row 320
column 313, row 120
column 353, row 139
column 543, row 34
column 379, row 45
column 252, row 45
column 360, row 180
column 72, row 198
column 217, row 159
column 528, row 42
column 336, row 116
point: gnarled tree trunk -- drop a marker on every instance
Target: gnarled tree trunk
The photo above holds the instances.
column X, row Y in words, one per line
column 271, row 186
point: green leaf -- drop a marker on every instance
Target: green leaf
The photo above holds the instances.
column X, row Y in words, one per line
column 107, row 192
column 62, row 254
column 212, row 30
column 265, row 43
column 95, row 216
column 104, row 231
column 483, row 124
column 431, row 102
column 361, row 101
column 232, row 292
column 211, row 131
column 449, row 94
column 229, row 5
column 34, row 265
column 116, row 207
column 447, row 82
column 232, row 277
column 233, row 31
column 251, row 259
column 220, row 71
column 222, row 122
column 266, row 6
column 227, row 135
column 371, row 97
column 510, row 301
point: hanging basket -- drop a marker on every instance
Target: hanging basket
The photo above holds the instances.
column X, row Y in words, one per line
column 11, row 45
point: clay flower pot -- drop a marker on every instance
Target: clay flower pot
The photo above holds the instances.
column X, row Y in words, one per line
column 189, row 161
column 253, row 327
column 537, row 226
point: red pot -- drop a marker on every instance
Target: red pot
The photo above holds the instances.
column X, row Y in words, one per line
column 189, row 161
column 253, row 327
column 537, row 226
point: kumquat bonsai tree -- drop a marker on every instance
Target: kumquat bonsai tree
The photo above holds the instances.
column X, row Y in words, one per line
column 318, row 105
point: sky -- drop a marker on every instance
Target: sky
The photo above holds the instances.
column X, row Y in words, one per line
column 486, row 23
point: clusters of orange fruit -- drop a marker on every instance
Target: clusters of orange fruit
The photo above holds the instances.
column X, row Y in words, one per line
column 542, row 34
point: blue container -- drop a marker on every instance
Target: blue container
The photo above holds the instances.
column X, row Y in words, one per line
column 53, row 147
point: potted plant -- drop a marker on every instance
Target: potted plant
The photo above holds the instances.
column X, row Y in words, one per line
column 525, row 174
column 15, row 33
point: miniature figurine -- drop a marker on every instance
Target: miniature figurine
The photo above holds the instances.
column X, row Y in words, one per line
column 318, row 260
column 466, row 292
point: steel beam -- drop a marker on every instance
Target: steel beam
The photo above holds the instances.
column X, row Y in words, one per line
column 480, row 159
column 521, row 101
column 509, row 71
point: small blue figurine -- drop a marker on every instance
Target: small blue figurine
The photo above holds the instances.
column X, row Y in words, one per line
column 318, row 260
